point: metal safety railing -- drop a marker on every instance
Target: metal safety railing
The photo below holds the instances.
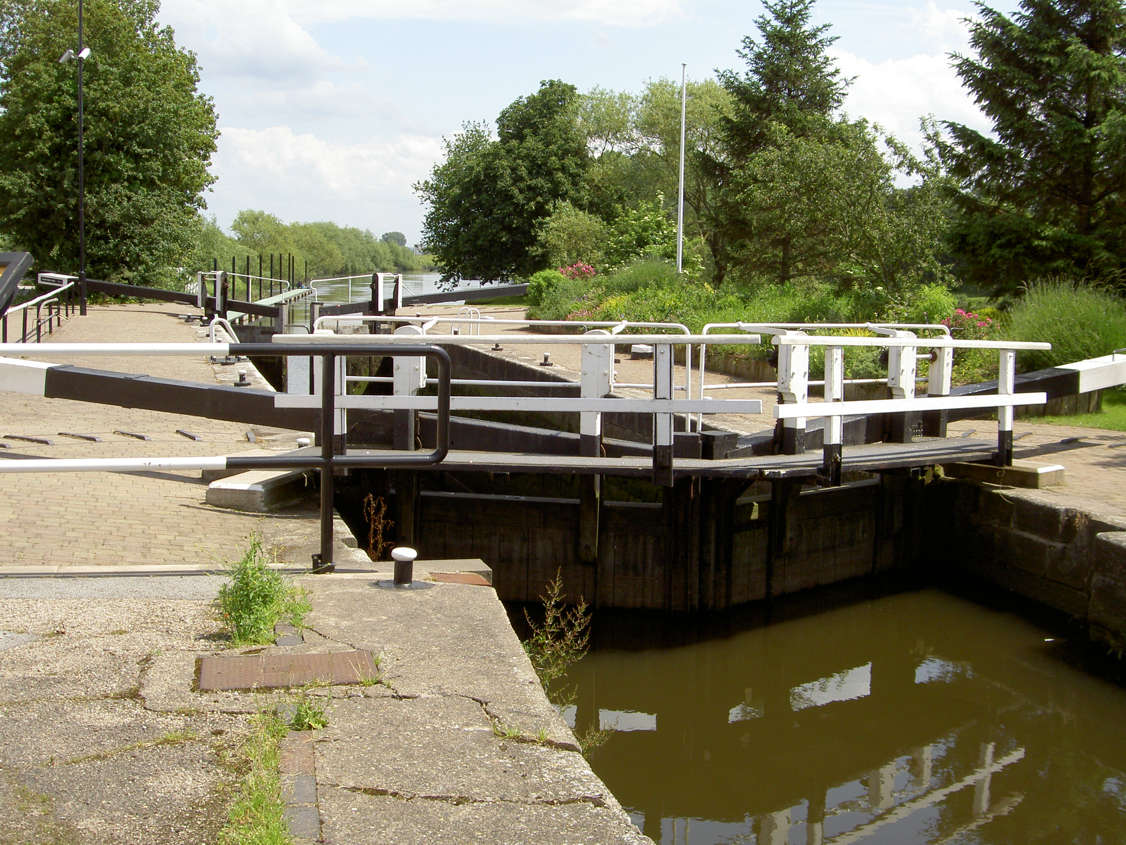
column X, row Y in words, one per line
column 370, row 280
column 469, row 322
column 902, row 348
column 331, row 355
column 595, row 384
column 44, row 311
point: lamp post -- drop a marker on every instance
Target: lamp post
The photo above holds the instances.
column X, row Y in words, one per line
column 80, row 57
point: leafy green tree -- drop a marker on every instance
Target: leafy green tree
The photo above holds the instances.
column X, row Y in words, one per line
column 261, row 233
column 149, row 136
column 1045, row 191
column 488, row 199
column 826, row 206
column 397, row 238
column 210, row 243
column 790, row 79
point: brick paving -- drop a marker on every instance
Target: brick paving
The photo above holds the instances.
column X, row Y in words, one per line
column 152, row 518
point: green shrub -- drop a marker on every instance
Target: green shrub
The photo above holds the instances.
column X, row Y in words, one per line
column 1079, row 320
column 541, row 284
column 640, row 274
column 928, row 304
column 257, row 598
column 565, row 298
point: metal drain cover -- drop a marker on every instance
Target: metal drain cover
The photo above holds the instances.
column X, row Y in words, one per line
column 276, row 671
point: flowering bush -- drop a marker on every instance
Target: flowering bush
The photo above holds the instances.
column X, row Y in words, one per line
column 578, row 270
column 969, row 326
column 972, row 365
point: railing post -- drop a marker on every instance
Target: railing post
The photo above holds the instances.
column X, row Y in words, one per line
column 834, row 426
column 281, row 321
column 408, row 377
column 337, row 384
column 902, row 367
column 1006, row 386
column 793, row 387
column 597, row 361
column 938, row 384
column 662, row 422
column 597, row 366
column 376, row 293
column 221, row 294
column 323, row 562
column 314, row 312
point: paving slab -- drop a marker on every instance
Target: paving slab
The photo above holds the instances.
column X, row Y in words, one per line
column 452, row 640
column 358, row 817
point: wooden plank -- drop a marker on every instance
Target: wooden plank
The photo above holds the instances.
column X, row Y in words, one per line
column 873, row 456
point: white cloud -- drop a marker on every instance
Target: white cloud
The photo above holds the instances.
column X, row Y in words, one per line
column 255, row 38
column 896, row 93
column 943, row 27
column 620, row 13
column 303, row 177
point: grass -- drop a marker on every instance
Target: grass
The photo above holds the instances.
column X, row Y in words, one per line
column 257, row 598
column 1079, row 320
column 257, row 815
column 1111, row 417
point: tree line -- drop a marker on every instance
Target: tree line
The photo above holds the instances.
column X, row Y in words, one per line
column 782, row 187
column 321, row 250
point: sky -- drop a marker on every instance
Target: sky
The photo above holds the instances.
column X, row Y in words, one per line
column 332, row 109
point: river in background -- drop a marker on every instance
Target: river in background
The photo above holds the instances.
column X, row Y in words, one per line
column 912, row 717
column 358, row 289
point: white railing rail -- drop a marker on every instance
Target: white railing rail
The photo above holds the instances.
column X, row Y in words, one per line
column 377, row 280
column 469, row 321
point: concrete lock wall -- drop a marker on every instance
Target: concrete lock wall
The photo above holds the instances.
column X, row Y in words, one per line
column 1023, row 541
column 705, row 546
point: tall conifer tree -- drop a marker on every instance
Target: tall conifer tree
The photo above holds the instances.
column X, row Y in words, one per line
column 790, row 87
column 1045, row 192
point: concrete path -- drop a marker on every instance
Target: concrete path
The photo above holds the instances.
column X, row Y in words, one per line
column 106, row 738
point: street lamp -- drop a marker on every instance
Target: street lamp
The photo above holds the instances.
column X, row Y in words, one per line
column 80, row 57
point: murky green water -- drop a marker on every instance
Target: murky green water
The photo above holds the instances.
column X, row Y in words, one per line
column 914, row 717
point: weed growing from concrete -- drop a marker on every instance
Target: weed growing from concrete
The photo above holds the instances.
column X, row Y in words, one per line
column 375, row 512
column 562, row 639
column 170, row 738
column 555, row 645
column 308, row 714
column 257, row 598
column 257, row 815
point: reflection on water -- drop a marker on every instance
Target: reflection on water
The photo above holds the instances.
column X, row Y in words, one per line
column 916, row 717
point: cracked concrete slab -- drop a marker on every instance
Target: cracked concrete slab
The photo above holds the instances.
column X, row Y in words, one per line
column 363, row 819
column 454, row 639
column 446, row 746
column 83, row 759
